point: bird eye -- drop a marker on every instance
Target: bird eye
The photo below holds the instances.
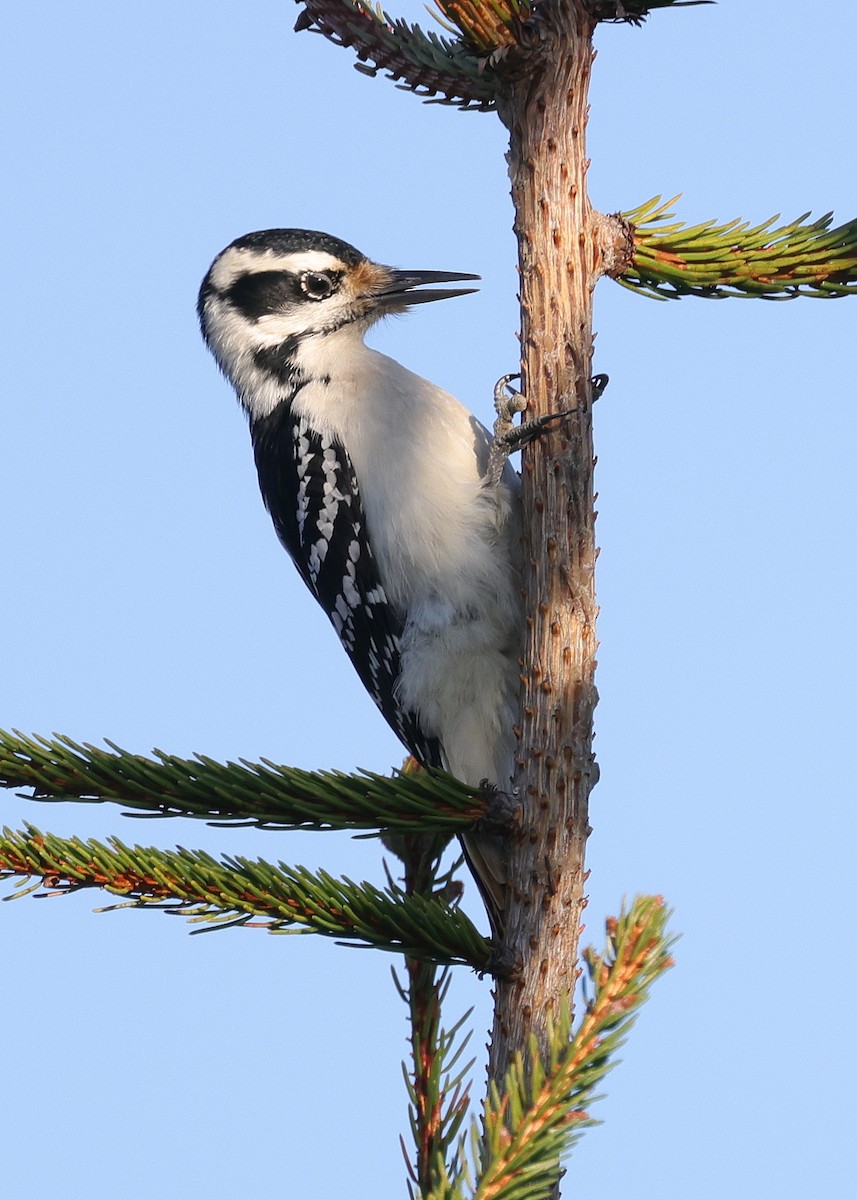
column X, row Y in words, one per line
column 315, row 285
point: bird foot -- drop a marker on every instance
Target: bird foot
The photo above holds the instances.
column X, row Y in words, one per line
column 502, row 964
column 509, row 437
column 503, row 813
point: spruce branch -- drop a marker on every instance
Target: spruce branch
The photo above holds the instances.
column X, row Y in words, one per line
column 235, row 890
column 436, row 1080
column 265, row 794
column 441, row 70
column 487, row 26
column 634, row 12
column 801, row 258
column 543, row 1108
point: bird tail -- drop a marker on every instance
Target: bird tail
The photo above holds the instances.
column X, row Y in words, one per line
column 485, row 854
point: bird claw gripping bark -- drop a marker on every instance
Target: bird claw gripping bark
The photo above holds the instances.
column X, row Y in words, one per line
column 509, row 437
column 502, row 964
column 503, row 812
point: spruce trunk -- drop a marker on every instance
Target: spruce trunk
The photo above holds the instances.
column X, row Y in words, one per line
column 560, row 256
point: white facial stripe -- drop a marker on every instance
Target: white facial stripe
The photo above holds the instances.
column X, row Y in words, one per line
column 235, row 262
column 229, row 266
column 303, row 260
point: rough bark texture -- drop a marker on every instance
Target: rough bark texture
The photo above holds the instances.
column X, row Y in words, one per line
column 560, row 240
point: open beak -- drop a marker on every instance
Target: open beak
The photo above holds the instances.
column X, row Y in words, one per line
column 398, row 291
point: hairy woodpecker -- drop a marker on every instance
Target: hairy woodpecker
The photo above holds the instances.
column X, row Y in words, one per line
column 380, row 487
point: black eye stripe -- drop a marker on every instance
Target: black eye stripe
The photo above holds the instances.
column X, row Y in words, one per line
column 256, row 293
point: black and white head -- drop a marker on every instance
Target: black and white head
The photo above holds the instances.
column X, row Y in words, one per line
column 270, row 292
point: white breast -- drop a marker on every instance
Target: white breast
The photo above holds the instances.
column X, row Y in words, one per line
column 447, row 547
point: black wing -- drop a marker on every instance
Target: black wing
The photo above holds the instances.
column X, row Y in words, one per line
column 311, row 491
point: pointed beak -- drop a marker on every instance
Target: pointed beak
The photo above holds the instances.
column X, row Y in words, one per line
column 397, row 290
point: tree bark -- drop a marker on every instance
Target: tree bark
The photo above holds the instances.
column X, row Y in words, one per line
column 561, row 244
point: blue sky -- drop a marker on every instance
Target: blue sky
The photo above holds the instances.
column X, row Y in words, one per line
column 145, row 598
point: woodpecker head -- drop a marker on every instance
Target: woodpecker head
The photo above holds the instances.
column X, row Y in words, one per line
column 268, row 292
